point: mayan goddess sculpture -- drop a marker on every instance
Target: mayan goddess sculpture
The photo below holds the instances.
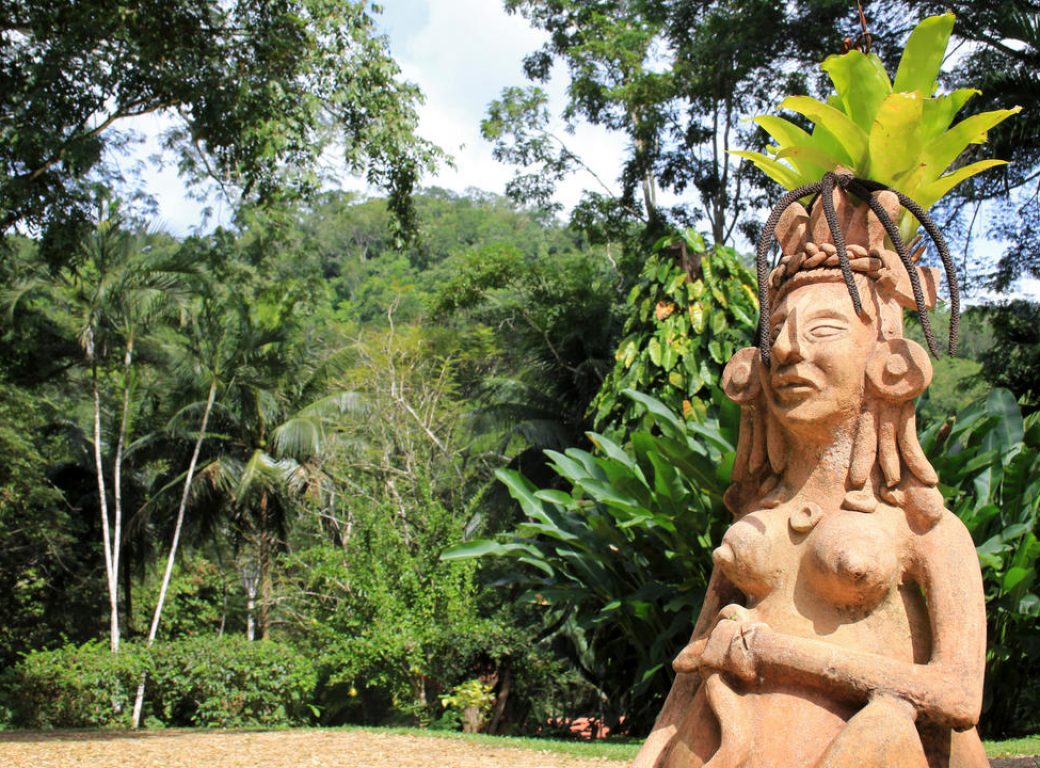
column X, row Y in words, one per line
column 844, row 624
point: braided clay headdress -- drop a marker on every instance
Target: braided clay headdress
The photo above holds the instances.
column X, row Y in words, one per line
column 838, row 239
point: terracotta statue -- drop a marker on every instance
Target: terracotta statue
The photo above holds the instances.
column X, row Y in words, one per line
column 844, row 624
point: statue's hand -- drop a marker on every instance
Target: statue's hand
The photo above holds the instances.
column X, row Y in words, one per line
column 689, row 658
column 730, row 646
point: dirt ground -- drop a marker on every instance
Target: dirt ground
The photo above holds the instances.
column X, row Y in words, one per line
column 272, row 749
column 284, row 749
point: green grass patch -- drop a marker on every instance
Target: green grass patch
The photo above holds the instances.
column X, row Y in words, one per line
column 625, row 749
column 1029, row 745
column 608, row 749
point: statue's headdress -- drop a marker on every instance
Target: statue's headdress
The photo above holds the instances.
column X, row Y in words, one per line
column 836, row 234
column 819, row 240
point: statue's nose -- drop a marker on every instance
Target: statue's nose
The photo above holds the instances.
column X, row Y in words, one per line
column 786, row 348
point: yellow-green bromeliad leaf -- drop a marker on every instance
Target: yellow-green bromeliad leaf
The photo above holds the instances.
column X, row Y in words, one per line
column 923, row 55
column 896, row 133
column 861, row 83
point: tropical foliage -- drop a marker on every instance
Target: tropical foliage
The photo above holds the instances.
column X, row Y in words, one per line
column 618, row 563
column 988, row 459
column 275, row 429
column 690, row 311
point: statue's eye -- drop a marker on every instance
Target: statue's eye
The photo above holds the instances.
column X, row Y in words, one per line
column 775, row 333
column 827, row 330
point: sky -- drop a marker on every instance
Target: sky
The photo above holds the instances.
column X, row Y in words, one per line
column 461, row 53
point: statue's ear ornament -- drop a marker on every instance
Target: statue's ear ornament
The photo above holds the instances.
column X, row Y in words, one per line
column 740, row 378
column 898, row 370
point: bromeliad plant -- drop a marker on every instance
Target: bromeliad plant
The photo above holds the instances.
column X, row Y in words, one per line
column 898, row 133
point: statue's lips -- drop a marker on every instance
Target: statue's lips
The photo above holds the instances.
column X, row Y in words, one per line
column 789, row 384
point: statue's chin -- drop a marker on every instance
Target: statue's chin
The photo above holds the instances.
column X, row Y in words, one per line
column 801, row 408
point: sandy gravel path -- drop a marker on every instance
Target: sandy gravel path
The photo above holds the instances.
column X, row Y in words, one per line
column 271, row 749
column 285, row 749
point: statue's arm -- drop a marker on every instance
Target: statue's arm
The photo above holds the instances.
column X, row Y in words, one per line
column 948, row 688
column 719, row 592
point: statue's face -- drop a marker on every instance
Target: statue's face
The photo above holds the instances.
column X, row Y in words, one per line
column 819, row 353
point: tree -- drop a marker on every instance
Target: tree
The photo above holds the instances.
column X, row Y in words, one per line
column 674, row 77
column 257, row 91
column 116, row 294
column 1014, row 359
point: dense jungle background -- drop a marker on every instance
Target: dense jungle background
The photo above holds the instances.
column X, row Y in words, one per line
column 429, row 456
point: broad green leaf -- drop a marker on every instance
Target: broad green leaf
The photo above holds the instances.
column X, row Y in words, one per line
column 604, row 492
column 930, row 193
column 657, row 408
column 783, row 131
column 612, row 449
column 718, row 322
column 1014, row 577
column 566, row 466
column 697, row 318
column 923, row 55
column 895, row 138
column 555, row 497
column 942, row 151
column 862, row 83
column 551, row 530
column 783, row 175
column 694, row 240
column 654, row 350
column 940, row 111
column 477, row 548
column 540, row 565
column 715, row 350
column 521, row 489
column 850, row 137
column 1008, row 428
column 811, row 162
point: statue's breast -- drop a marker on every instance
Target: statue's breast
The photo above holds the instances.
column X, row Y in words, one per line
column 755, row 554
column 846, row 559
column 851, row 559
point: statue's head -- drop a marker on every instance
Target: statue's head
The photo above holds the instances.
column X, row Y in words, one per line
column 836, row 372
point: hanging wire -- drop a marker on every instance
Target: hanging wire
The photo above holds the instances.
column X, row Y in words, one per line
column 863, row 189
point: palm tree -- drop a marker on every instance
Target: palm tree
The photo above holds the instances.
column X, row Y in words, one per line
column 117, row 292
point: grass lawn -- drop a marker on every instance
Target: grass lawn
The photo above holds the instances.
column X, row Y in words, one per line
column 1029, row 745
column 625, row 749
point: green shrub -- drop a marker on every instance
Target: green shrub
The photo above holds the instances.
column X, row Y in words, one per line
column 988, row 460
column 213, row 682
column 83, row 686
column 618, row 565
column 472, row 702
column 230, row 683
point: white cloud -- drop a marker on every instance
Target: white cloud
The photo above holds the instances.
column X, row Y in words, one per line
column 462, row 54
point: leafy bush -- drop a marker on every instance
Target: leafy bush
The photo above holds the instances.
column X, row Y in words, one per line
column 470, row 702
column 988, row 460
column 83, row 686
column 389, row 626
column 213, row 682
column 229, row 683
column 619, row 564
column 687, row 315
